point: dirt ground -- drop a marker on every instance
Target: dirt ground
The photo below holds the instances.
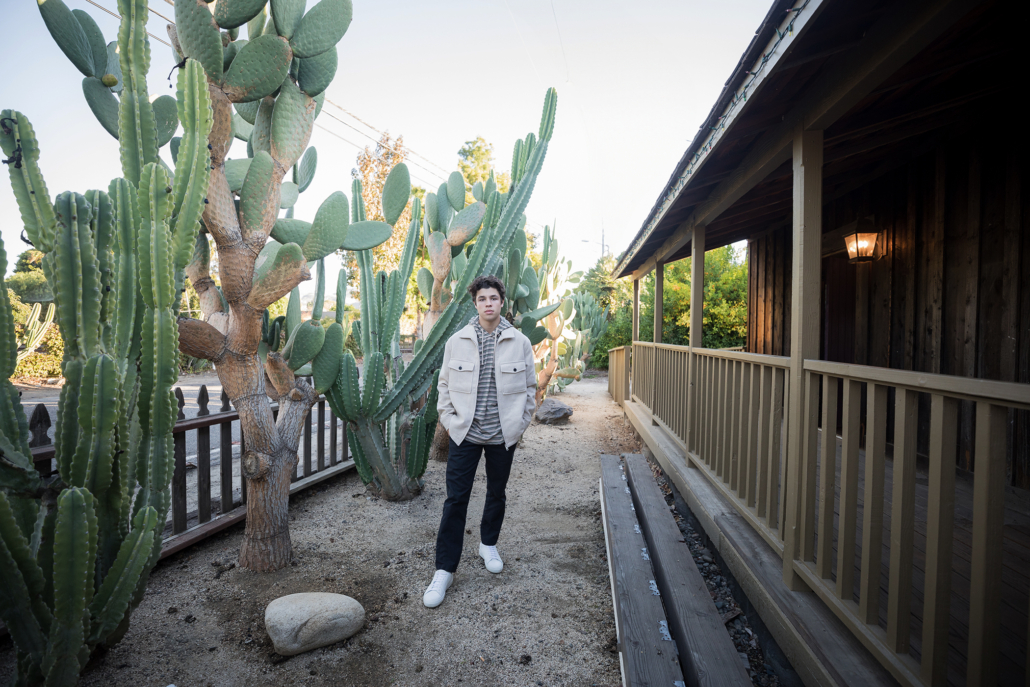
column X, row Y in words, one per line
column 545, row 620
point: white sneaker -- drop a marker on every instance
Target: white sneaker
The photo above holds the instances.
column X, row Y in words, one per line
column 492, row 559
column 437, row 589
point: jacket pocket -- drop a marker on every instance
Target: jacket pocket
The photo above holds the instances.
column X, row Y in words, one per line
column 460, row 376
column 513, row 377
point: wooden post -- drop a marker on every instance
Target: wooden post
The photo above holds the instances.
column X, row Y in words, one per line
column 659, row 297
column 804, row 335
column 636, row 310
column 697, row 297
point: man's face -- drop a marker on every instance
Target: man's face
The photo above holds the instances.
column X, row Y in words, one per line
column 488, row 304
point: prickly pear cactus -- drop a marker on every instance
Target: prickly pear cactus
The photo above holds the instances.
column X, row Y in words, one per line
column 391, row 405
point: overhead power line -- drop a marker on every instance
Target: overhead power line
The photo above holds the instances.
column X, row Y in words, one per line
column 118, row 17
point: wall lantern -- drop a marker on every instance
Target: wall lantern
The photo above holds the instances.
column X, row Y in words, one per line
column 860, row 241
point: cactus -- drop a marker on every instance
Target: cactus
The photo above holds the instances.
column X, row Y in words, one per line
column 391, row 409
column 77, row 547
column 34, row 330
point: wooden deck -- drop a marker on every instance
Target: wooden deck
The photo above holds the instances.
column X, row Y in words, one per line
column 1015, row 573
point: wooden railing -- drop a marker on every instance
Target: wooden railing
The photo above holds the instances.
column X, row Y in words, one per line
column 878, row 539
column 854, row 592
column 618, row 373
column 727, row 416
column 195, row 514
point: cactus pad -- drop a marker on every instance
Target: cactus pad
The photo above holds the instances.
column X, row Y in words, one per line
column 288, row 230
column 276, row 269
column 321, row 28
column 103, row 103
column 465, row 225
column 236, row 172
column 456, row 191
column 259, row 68
column 166, row 118
column 292, row 121
column 314, row 74
column 326, row 366
column 366, row 235
column 396, row 191
column 199, row 36
column 305, row 343
column 286, row 15
column 290, row 193
column 95, row 38
column 330, row 227
column 68, row 34
column 232, row 13
column 306, row 169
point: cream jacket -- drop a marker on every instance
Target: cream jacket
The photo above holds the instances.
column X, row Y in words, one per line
column 514, row 374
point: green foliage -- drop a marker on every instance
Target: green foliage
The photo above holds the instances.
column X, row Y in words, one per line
column 30, row 260
column 725, row 303
column 30, row 287
column 45, row 361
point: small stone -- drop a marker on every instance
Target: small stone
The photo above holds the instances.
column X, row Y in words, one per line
column 706, row 558
column 301, row 622
column 525, row 659
column 720, row 605
column 552, row 412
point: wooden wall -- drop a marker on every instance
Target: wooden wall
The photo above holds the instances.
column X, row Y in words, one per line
column 768, row 288
column 950, row 293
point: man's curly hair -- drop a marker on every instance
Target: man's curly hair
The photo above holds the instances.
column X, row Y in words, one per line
column 488, row 281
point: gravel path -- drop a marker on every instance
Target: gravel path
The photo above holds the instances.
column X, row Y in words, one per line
column 546, row 620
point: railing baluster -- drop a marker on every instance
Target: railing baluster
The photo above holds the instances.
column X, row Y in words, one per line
column 827, row 478
column 733, row 433
column 903, row 505
column 307, row 443
column 743, row 417
column 321, row 435
column 179, row 473
column 940, row 515
column 762, row 447
column 225, row 457
column 203, row 460
column 988, row 527
column 776, row 429
column 848, row 489
column 809, row 488
column 720, row 451
column 872, row 515
column 332, row 437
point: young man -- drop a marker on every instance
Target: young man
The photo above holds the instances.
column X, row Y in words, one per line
column 487, row 395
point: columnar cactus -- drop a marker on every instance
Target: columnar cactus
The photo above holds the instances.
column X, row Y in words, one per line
column 77, row 547
column 391, row 419
column 33, row 330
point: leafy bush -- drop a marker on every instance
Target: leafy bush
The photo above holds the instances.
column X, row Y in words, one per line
column 31, row 287
column 46, row 361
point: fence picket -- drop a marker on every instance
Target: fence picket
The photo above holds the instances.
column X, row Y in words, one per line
column 225, row 458
column 179, row 473
column 203, row 460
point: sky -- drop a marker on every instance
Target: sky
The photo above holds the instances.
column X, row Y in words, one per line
column 634, row 80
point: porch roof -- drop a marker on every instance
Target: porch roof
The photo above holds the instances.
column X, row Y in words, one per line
column 885, row 80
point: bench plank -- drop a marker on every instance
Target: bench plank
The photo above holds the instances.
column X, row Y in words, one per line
column 649, row 656
column 705, row 647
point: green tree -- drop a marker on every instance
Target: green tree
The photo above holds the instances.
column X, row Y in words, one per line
column 30, row 260
column 725, row 303
column 475, row 160
column 27, row 281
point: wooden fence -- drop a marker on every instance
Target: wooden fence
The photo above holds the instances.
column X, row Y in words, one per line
column 618, row 372
column 915, row 566
column 208, row 515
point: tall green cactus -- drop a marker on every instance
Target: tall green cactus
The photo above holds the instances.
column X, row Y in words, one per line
column 33, row 330
column 77, row 547
column 391, row 409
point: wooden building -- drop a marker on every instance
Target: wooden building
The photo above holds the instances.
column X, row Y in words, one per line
column 898, row 121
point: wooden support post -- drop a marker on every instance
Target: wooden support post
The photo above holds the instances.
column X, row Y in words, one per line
column 804, row 335
column 659, row 297
column 636, row 310
column 697, row 296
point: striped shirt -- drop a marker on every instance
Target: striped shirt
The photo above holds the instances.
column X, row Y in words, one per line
column 486, row 424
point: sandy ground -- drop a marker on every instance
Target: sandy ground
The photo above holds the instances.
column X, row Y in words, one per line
column 545, row 620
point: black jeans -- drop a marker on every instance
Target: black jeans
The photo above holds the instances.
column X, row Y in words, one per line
column 462, row 462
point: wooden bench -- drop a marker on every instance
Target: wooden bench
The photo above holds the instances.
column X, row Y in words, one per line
column 647, row 653
column 707, row 653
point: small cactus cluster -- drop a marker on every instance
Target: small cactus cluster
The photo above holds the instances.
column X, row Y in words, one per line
column 77, row 547
column 33, row 330
column 391, row 405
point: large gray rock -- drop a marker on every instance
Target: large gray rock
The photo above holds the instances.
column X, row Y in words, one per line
column 302, row 622
column 552, row 412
